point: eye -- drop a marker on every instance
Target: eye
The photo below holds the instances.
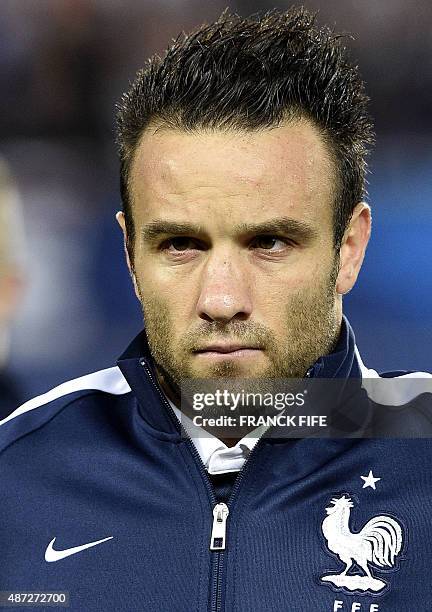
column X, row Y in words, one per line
column 269, row 243
column 180, row 243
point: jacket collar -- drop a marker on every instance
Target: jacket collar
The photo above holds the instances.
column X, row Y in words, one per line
column 138, row 367
column 342, row 362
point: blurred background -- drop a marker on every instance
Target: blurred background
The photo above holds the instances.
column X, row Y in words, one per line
column 64, row 64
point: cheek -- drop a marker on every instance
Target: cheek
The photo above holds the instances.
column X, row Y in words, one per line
column 176, row 289
column 274, row 300
column 159, row 278
column 164, row 308
column 277, row 291
column 315, row 273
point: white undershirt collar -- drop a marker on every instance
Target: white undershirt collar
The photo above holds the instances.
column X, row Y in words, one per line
column 217, row 457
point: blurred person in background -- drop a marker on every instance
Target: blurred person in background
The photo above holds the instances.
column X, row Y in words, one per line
column 11, row 282
column 243, row 162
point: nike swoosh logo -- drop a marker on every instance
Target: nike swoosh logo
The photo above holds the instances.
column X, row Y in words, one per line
column 52, row 555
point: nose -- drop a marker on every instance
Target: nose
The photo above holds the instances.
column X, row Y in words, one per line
column 225, row 291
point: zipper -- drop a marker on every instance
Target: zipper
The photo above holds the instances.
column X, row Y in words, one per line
column 217, row 591
column 218, row 534
column 220, row 509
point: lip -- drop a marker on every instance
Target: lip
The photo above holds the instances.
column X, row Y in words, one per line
column 219, row 352
column 226, row 348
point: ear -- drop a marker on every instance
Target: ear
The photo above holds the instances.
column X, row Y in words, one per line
column 353, row 247
column 122, row 222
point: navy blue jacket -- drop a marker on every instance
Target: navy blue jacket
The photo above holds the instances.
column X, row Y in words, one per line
column 101, row 459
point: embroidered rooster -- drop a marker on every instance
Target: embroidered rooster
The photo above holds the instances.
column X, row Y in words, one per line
column 378, row 543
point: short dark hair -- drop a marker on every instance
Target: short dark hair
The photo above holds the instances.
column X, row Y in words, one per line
column 248, row 74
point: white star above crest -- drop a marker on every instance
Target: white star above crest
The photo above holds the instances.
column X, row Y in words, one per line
column 369, row 480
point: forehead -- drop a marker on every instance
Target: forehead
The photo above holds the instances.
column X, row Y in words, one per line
column 287, row 168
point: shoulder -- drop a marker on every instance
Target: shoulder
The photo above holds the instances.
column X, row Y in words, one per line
column 406, row 378
column 40, row 410
column 401, row 401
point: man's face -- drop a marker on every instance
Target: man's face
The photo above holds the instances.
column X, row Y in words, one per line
column 234, row 261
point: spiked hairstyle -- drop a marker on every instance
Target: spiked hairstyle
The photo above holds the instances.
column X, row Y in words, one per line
column 250, row 74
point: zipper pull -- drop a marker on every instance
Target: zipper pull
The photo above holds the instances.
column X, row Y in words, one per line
column 218, row 534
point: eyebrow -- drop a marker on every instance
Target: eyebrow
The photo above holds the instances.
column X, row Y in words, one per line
column 297, row 229
column 160, row 227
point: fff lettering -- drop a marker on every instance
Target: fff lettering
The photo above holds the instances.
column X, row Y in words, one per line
column 355, row 607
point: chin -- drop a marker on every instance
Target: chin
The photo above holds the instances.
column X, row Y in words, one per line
column 228, row 369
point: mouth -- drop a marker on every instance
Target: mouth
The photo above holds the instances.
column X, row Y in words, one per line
column 224, row 351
